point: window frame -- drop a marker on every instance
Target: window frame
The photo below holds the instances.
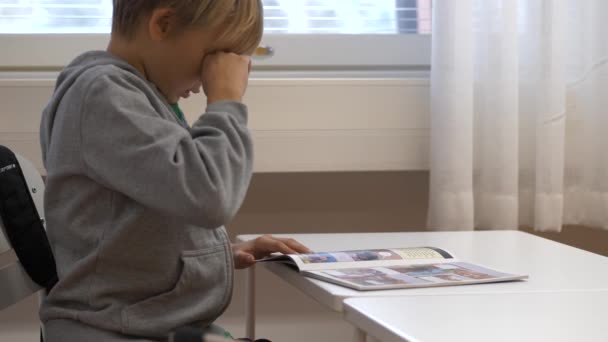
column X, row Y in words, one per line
column 350, row 51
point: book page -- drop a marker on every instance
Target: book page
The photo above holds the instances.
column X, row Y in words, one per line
column 420, row 275
column 414, row 253
column 368, row 258
column 292, row 260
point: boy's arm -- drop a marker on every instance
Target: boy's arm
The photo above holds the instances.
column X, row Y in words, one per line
column 201, row 176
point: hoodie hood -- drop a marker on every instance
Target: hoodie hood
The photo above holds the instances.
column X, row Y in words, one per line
column 66, row 80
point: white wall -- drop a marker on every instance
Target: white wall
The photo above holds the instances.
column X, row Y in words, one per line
column 299, row 124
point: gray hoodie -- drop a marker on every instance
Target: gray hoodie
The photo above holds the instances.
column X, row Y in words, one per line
column 136, row 201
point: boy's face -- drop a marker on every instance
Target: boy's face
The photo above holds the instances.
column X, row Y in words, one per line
column 174, row 61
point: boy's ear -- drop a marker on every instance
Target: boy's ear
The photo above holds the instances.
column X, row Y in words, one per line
column 161, row 23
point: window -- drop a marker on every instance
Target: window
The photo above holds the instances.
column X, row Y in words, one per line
column 303, row 32
column 55, row 16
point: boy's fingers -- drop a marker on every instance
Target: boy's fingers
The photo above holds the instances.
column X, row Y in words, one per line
column 243, row 260
column 296, row 246
column 247, row 258
column 279, row 246
column 283, row 245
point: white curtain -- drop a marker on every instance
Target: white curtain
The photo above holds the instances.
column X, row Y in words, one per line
column 519, row 128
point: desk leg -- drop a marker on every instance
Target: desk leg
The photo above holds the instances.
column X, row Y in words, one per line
column 360, row 335
column 250, row 303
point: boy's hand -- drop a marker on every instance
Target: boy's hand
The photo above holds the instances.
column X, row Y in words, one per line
column 245, row 253
column 225, row 76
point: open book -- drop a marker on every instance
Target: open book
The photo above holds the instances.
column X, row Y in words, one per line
column 381, row 269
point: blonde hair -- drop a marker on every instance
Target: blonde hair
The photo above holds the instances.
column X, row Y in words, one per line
column 240, row 22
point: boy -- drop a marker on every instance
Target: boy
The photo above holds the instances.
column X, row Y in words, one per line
column 136, row 200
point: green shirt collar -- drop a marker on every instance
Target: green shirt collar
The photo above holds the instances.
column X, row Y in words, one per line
column 178, row 112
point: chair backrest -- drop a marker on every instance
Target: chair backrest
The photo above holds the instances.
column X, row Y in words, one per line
column 22, row 230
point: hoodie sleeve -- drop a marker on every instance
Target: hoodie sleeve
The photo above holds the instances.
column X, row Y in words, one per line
column 199, row 175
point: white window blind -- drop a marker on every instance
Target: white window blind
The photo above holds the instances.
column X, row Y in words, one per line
column 324, row 34
column 282, row 16
column 347, row 16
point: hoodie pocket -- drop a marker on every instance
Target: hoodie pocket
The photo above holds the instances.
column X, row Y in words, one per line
column 201, row 293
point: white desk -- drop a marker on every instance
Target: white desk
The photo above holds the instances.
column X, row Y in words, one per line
column 551, row 266
column 525, row 317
